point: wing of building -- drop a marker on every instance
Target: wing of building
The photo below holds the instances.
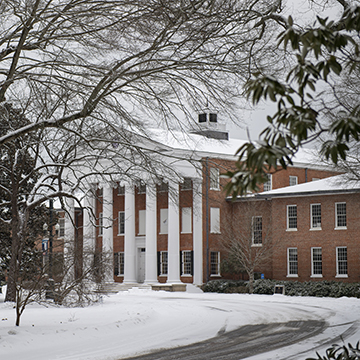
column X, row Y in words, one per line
column 173, row 229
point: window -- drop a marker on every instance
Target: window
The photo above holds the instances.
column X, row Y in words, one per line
column 163, row 263
column 100, row 192
column 101, row 228
column 292, row 262
column 186, row 220
column 163, row 221
column 215, row 220
column 257, row 230
column 340, row 215
column 315, row 216
column 163, row 187
column 316, row 262
column 214, row 179
column 119, row 264
column 292, row 217
column 141, row 188
column 62, row 227
column 341, row 262
column 121, row 223
column 213, row 117
column 293, row 180
column 186, row 262
column 142, row 222
column 268, row 184
column 121, row 190
column 202, row 118
column 315, row 179
column 187, row 184
column 215, row 263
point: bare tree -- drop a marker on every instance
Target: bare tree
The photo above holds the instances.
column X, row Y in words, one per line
column 91, row 77
column 248, row 243
column 126, row 62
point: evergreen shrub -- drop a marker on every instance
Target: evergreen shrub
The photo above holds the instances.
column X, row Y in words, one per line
column 334, row 289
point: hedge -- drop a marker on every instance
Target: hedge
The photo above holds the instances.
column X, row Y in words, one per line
column 334, row 289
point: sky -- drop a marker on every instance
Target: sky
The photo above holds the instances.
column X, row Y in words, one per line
column 138, row 321
column 253, row 119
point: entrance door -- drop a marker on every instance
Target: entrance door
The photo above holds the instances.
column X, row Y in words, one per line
column 141, row 265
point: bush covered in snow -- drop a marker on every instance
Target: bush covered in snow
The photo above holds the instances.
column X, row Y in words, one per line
column 292, row 288
column 225, row 286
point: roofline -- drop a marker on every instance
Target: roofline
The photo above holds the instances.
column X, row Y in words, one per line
column 308, row 193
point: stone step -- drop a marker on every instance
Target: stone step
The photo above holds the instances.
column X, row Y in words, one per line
column 113, row 288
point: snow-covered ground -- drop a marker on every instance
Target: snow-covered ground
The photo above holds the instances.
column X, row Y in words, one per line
column 137, row 321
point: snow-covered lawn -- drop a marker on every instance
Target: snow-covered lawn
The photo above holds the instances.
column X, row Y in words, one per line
column 137, row 321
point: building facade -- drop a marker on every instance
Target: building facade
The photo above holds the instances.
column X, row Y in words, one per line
column 173, row 230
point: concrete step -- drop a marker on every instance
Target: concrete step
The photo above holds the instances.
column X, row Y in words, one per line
column 113, row 288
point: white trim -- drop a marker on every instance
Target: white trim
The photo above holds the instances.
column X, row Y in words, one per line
column 288, row 262
column 215, row 220
column 214, row 179
column 311, row 217
column 287, row 218
column 312, row 262
column 336, row 216
column 119, row 216
column 337, row 262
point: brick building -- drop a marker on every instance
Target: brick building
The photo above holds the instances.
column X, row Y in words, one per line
column 173, row 231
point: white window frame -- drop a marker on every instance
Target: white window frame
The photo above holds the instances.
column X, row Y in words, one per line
column 256, row 230
column 121, row 190
column 186, row 220
column 186, row 184
column 61, row 228
column 337, row 216
column 268, row 184
column 215, row 220
column 101, row 224
column 214, row 178
column 293, row 180
column 186, row 263
column 288, row 228
column 317, row 275
column 121, row 222
column 164, row 263
column 142, row 222
column 215, row 265
column 291, row 261
column 141, row 188
column 313, row 215
column 163, row 221
column 121, row 263
column 341, row 260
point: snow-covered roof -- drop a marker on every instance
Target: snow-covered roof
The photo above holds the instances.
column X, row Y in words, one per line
column 333, row 184
column 203, row 146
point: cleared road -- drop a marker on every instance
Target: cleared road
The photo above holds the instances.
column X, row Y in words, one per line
column 242, row 343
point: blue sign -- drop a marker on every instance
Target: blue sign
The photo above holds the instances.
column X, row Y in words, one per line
column 45, row 244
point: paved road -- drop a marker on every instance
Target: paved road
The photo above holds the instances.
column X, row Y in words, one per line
column 244, row 342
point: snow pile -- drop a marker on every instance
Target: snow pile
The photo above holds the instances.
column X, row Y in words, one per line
column 138, row 321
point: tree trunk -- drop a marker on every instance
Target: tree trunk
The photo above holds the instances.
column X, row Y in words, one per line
column 251, row 281
column 12, row 274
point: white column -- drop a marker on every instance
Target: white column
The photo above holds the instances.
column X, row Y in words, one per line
column 130, row 246
column 151, row 236
column 173, row 234
column 197, row 232
column 107, row 239
column 88, row 230
column 69, row 240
